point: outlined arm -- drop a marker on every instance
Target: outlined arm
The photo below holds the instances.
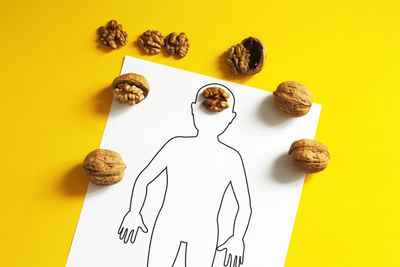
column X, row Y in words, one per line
column 151, row 172
column 133, row 220
column 234, row 246
column 240, row 189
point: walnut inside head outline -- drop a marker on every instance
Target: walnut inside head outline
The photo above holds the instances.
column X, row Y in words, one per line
column 216, row 99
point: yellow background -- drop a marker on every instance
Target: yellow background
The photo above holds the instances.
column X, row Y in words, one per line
column 54, row 105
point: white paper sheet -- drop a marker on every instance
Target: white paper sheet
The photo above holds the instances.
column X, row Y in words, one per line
column 197, row 172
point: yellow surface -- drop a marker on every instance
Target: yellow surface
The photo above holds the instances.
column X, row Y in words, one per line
column 54, row 105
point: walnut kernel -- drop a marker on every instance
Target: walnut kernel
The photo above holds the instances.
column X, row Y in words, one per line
column 293, row 99
column 130, row 88
column 309, row 155
column 238, row 59
column 177, row 44
column 112, row 35
column 104, row 167
column 151, row 42
column 216, row 99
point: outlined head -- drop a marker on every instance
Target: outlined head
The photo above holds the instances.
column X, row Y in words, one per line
column 212, row 122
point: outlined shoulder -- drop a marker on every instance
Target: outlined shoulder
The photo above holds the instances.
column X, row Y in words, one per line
column 233, row 153
column 173, row 142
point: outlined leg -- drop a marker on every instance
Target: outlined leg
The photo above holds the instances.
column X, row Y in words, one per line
column 163, row 251
column 200, row 254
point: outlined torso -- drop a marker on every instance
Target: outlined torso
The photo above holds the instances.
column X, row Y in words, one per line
column 194, row 198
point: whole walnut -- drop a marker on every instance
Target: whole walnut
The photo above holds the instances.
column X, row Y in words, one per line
column 293, row 99
column 309, row 155
column 112, row 35
column 215, row 99
column 104, row 167
column 130, row 88
column 247, row 57
column 151, row 42
column 177, row 44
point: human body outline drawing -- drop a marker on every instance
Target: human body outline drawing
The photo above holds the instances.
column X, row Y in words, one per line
column 190, row 210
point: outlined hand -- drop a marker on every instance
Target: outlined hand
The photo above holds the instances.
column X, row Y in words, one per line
column 130, row 225
column 234, row 251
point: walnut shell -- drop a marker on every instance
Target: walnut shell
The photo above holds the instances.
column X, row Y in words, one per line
column 258, row 53
column 309, row 155
column 104, row 167
column 247, row 57
column 130, row 88
column 293, row 99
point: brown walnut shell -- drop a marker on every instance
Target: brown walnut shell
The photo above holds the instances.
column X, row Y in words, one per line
column 104, row 167
column 247, row 57
column 293, row 99
column 309, row 155
column 258, row 52
column 130, row 88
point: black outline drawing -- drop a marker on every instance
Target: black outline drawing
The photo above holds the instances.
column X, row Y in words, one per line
column 233, row 257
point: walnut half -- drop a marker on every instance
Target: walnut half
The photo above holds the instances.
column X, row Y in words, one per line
column 151, row 42
column 247, row 57
column 112, row 35
column 177, row 44
column 130, row 88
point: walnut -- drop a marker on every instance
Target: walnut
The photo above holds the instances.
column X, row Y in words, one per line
column 177, row 44
column 130, row 88
column 247, row 57
column 104, row 167
column 293, row 99
column 309, row 156
column 112, row 35
column 216, row 99
column 151, row 42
